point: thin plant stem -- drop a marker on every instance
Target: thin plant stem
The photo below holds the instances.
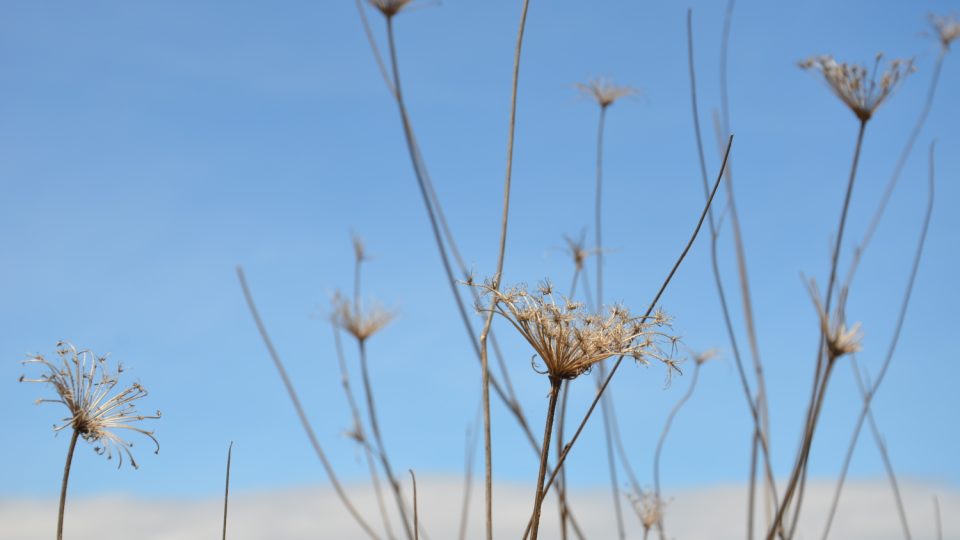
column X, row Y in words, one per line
column 373, row 46
column 824, row 365
column 650, row 308
column 301, row 414
column 226, row 490
column 488, row 449
column 604, row 404
column 470, row 451
column 66, row 479
column 868, row 394
column 416, row 518
column 381, row 448
column 759, row 433
column 359, row 434
column 562, row 479
column 663, row 438
column 936, row 514
column 541, row 474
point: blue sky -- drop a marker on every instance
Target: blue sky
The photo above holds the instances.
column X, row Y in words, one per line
column 151, row 147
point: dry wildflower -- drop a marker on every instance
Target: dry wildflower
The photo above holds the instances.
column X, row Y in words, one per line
column 357, row 322
column 947, row 27
column 705, row 356
column 568, row 339
column 858, row 86
column 359, row 248
column 389, row 8
column 577, row 251
column 604, row 92
column 840, row 339
column 649, row 508
column 84, row 384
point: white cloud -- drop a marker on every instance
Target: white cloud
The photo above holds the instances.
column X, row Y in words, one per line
column 867, row 511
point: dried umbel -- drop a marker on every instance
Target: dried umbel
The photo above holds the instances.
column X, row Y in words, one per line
column 649, row 508
column 605, row 92
column 840, row 339
column 389, row 8
column 569, row 340
column 857, row 86
column 947, row 28
column 358, row 322
column 84, row 384
column 577, row 251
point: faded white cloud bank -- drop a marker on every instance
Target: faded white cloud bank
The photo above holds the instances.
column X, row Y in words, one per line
column 867, row 511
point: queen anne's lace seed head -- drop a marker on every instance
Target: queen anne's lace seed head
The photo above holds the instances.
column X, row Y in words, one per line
column 568, row 339
column 358, row 322
column 605, row 92
column 857, row 86
column 389, row 8
column 840, row 339
column 947, row 28
column 648, row 507
column 84, row 384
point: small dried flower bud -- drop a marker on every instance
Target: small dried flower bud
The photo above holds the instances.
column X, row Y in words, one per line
column 604, row 92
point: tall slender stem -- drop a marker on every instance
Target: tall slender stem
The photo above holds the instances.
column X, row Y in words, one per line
column 66, row 478
column 824, row 364
column 663, row 438
column 226, row 490
column 301, row 413
column 544, row 455
column 381, row 449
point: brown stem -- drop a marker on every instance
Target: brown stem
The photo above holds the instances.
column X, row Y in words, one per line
column 226, row 490
column 66, row 478
column 416, row 517
column 301, row 414
column 650, row 308
column 544, row 455
column 824, row 364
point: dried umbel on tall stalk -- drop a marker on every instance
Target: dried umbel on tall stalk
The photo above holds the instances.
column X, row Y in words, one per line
column 856, row 85
column 84, row 384
column 947, row 28
column 570, row 341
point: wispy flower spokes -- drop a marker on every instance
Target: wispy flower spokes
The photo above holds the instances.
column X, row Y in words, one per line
column 85, row 385
column 840, row 339
column 648, row 507
column 389, row 8
column 857, row 86
column 568, row 339
column 605, row 92
column 947, row 27
column 358, row 322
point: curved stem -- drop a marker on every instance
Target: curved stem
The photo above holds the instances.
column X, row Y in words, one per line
column 663, row 438
column 226, row 490
column 301, row 414
column 66, row 479
column 544, row 455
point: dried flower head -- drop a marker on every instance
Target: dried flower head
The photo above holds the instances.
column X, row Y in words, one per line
column 359, row 323
column 359, row 248
column 389, row 8
column 649, row 508
column 705, row 356
column 568, row 339
column 84, row 384
column 947, row 28
column 604, row 92
column 840, row 339
column 858, row 86
column 577, row 251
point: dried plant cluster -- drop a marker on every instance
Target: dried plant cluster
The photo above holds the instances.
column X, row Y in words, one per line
column 856, row 85
column 84, row 384
column 569, row 340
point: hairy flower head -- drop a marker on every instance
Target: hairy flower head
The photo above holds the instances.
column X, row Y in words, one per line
column 649, row 508
column 840, row 339
column 947, row 28
column 568, row 339
column 389, row 8
column 605, row 92
column 84, row 384
column 358, row 322
column 857, row 86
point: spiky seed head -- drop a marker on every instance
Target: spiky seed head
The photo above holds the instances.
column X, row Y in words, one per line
column 649, row 508
column 358, row 322
column 856, row 85
column 840, row 339
column 947, row 28
column 84, row 384
column 359, row 248
column 568, row 339
column 605, row 92
column 389, row 8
